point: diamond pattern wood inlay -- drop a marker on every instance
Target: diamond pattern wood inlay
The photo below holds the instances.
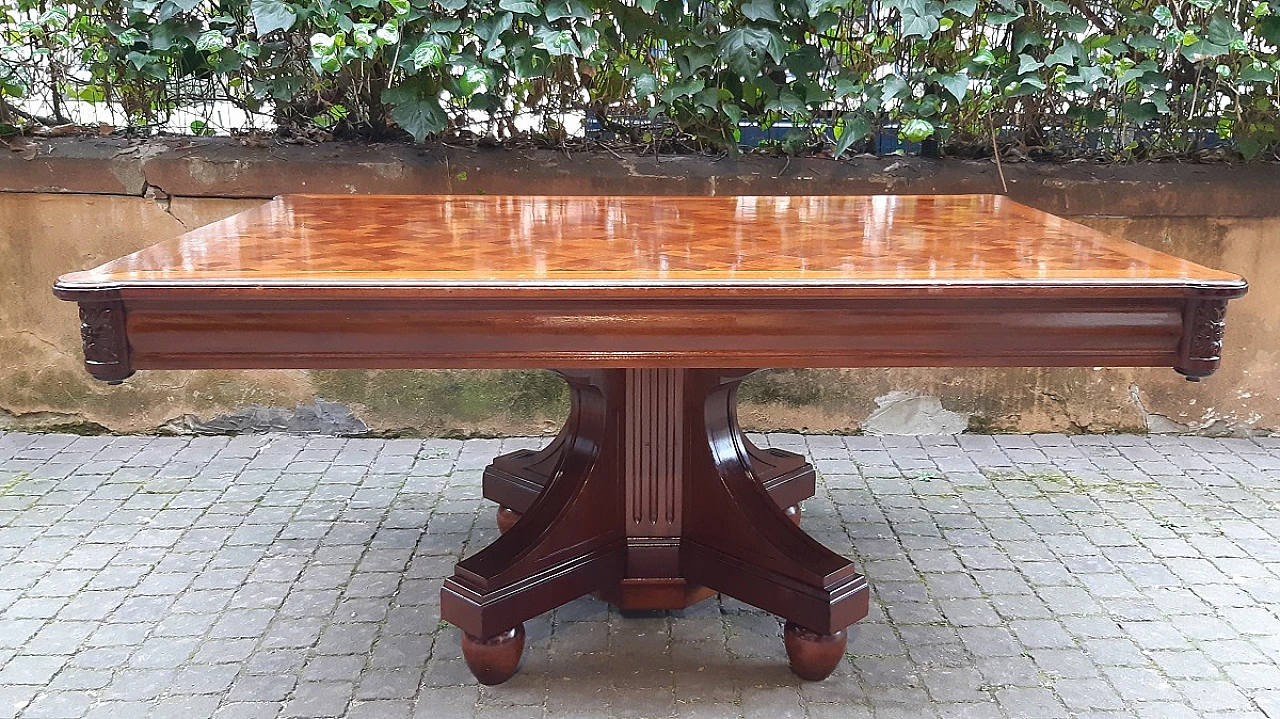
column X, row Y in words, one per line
column 661, row 241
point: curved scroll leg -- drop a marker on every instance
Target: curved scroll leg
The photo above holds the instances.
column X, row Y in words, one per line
column 787, row 476
column 515, row 480
column 570, row 541
column 507, row 518
column 813, row 656
column 793, row 513
column 493, row 660
column 738, row 541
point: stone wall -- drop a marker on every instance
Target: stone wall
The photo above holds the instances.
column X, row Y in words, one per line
column 73, row 204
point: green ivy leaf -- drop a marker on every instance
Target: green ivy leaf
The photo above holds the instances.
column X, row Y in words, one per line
column 490, row 29
column 323, row 44
column 983, row 57
column 846, row 86
column 427, row 54
column 709, row 97
column 1140, row 112
column 644, row 84
column 1199, row 49
column 816, row 94
column 475, row 79
column 1065, row 54
column 1004, row 18
column 1144, row 41
column 789, row 103
column 211, row 41
column 522, row 7
column 923, row 26
column 957, row 85
column 758, row 10
column 169, row 35
column 1160, row 99
column 1086, row 77
column 688, row 88
column 916, row 130
column 1269, row 28
column 746, row 48
column 849, row 129
column 561, row 42
column 928, row 106
column 964, row 7
column 804, row 60
column 56, row 18
column 1057, row 7
column 1249, row 148
column 1028, row 85
column 1257, row 73
column 818, row 7
column 1072, row 24
column 558, row 10
column 733, row 112
column 691, row 59
column 168, row 11
column 271, row 15
column 362, row 34
column 893, row 86
column 418, row 115
column 388, row 34
column 1222, row 31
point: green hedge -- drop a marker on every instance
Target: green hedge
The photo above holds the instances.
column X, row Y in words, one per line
column 1110, row 78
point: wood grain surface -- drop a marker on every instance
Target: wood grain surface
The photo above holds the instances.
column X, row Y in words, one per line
column 438, row 241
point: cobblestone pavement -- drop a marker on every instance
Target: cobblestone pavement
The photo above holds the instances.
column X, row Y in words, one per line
column 265, row 576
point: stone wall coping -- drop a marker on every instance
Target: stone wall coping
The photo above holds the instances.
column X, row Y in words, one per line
column 257, row 168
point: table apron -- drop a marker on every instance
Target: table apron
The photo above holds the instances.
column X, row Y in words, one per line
column 1094, row 332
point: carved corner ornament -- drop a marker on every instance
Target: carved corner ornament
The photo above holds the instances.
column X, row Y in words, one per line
column 1203, row 348
column 106, row 347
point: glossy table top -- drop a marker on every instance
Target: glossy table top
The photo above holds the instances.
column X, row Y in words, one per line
column 494, row 241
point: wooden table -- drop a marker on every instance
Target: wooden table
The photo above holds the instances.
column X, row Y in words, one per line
column 654, row 309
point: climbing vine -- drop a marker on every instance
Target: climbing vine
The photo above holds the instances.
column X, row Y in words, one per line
column 1115, row 79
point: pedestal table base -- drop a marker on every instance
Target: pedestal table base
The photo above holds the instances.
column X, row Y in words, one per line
column 652, row 498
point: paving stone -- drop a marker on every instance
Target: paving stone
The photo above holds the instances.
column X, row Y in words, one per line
column 59, row 705
column 318, row 699
column 267, row 576
column 1140, row 684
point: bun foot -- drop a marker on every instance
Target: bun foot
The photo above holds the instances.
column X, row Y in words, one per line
column 813, row 656
column 493, row 660
column 507, row 518
column 793, row 513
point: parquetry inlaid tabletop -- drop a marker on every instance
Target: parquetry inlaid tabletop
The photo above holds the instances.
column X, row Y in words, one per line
column 482, row 241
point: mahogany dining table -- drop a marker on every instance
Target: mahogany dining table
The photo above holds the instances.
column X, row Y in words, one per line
column 653, row 310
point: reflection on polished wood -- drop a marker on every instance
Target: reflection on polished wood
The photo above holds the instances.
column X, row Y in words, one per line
column 604, row 241
column 657, row 308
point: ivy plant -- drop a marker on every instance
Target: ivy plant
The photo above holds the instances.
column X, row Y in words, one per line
column 1114, row 79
